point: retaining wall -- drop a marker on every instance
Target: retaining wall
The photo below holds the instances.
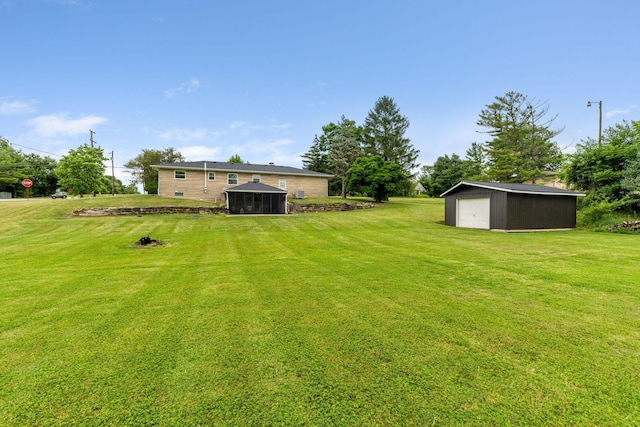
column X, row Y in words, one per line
column 214, row 210
column 154, row 210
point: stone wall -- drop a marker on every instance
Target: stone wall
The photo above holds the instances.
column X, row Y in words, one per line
column 215, row 210
column 154, row 210
column 328, row 207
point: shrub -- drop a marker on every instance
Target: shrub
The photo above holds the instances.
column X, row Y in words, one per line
column 594, row 213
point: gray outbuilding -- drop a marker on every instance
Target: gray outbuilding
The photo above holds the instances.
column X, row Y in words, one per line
column 509, row 207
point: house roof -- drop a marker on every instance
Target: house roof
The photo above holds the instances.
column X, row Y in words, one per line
column 254, row 187
column 513, row 188
column 240, row 167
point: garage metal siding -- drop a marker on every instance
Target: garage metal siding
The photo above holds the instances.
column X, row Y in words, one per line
column 498, row 210
column 517, row 211
column 531, row 212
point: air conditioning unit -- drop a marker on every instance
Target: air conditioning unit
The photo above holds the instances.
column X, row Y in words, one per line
column 299, row 194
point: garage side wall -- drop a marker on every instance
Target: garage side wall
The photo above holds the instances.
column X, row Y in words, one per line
column 534, row 212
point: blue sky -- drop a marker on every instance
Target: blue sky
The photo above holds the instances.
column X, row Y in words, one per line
column 260, row 78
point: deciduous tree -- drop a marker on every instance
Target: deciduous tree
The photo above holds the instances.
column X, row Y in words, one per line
column 42, row 171
column 12, row 167
column 236, row 159
column 141, row 170
column 82, row 170
column 599, row 169
column 344, row 149
column 334, row 152
column 446, row 172
column 375, row 177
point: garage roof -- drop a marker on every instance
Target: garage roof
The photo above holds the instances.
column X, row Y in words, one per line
column 513, row 188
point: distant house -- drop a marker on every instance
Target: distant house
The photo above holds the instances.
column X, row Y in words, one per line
column 550, row 179
column 509, row 207
column 212, row 180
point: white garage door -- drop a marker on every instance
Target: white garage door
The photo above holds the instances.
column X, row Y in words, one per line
column 473, row 213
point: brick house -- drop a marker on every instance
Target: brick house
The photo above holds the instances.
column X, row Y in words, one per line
column 210, row 180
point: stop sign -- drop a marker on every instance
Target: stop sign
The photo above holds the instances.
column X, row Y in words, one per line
column 27, row 183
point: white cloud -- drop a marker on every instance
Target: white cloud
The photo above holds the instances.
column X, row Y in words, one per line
column 15, row 107
column 282, row 126
column 186, row 87
column 620, row 111
column 60, row 125
column 239, row 137
column 186, row 135
column 265, row 151
column 238, row 124
column 199, row 152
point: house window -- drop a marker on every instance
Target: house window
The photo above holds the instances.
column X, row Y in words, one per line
column 179, row 193
column 180, row 174
column 212, row 176
column 232, row 178
column 282, row 184
column 255, row 178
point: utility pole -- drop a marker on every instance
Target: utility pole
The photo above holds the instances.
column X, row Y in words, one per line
column 589, row 103
column 113, row 177
column 91, row 137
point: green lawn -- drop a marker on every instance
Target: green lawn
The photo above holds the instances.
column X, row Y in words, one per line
column 374, row 317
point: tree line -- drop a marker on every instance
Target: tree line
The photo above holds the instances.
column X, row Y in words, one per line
column 79, row 172
column 521, row 149
column 374, row 159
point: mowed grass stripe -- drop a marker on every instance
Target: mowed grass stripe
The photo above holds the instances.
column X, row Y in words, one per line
column 371, row 317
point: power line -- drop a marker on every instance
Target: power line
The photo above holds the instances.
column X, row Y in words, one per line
column 35, row 149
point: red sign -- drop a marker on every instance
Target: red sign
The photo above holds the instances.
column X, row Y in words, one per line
column 27, row 183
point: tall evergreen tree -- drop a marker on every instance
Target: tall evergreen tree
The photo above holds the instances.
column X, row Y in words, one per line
column 384, row 130
column 476, row 162
column 317, row 158
column 521, row 147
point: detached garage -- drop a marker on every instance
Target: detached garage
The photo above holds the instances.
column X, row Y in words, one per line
column 509, row 207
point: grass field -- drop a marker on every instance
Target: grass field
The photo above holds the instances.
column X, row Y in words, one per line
column 375, row 317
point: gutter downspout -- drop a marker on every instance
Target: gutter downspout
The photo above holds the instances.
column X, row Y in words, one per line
column 205, row 177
